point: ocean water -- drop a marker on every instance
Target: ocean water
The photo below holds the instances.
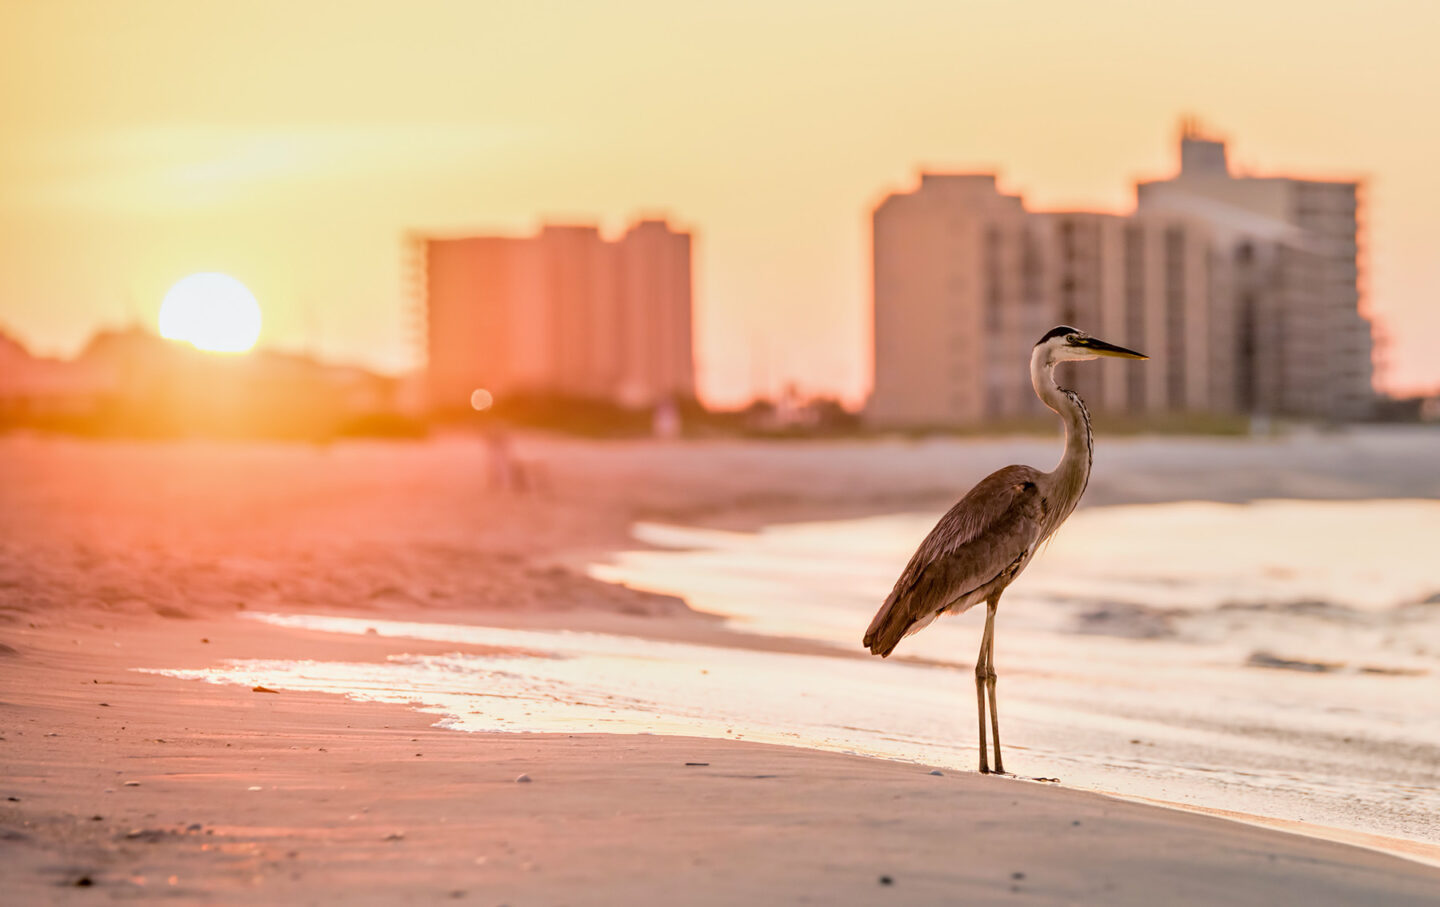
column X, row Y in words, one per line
column 1279, row 659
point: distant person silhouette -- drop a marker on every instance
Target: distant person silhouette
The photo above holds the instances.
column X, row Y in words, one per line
column 508, row 472
column 505, row 472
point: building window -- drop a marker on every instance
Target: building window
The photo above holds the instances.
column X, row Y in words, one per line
column 1032, row 271
column 1134, row 309
column 994, row 278
column 1067, row 240
column 1175, row 317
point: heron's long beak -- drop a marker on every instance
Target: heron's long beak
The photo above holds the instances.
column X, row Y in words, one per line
column 1101, row 348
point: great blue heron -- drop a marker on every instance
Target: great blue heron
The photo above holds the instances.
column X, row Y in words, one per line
column 982, row 544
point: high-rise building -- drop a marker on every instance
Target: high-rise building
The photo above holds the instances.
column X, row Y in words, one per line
column 1243, row 311
column 563, row 312
column 1311, row 343
column 1144, row 282
column 949, row 300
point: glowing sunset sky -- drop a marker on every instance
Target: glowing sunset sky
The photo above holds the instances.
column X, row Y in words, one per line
column 290, row 144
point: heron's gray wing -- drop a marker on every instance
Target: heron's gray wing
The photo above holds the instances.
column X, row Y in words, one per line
column 987, row 533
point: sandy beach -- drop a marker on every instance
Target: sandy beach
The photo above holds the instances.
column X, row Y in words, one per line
column 121, row 559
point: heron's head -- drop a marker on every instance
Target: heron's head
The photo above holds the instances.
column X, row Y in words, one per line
column 1067, row 344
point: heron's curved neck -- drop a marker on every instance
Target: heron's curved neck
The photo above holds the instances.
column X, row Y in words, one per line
column 1072, row 474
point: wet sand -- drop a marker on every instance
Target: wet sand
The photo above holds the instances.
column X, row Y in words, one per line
column 1277, row 658
column 108, row 563
column 225, row 794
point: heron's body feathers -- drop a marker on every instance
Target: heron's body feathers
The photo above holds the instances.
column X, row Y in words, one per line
column 981, row 543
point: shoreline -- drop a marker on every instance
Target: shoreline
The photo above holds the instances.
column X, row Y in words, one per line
column 1406, row 849
column 707, row 631
column 374, row 782
column 1167, row 702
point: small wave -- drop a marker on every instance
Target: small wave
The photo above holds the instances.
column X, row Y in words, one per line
column 1263, row 659
column 1302, row 607
column 1269, row 660
column 1126, row 620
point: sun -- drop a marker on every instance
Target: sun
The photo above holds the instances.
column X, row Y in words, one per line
column 213, row 312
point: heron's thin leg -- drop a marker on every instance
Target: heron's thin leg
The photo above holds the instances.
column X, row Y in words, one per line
column 980, row 705
column 982, row 671
column 990, row 678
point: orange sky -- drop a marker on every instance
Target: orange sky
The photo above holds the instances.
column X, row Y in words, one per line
column 290, row 144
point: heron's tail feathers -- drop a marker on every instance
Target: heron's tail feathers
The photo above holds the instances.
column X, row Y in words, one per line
column 888, row 628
